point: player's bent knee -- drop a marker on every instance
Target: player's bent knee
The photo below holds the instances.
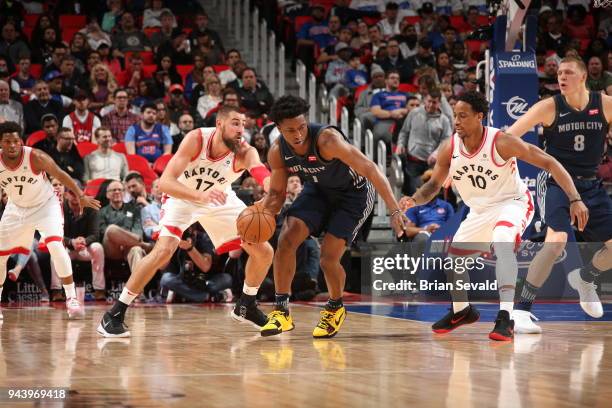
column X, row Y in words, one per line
column 329, row 262
column 163, row 250
column 96, row 248
column 263, row 251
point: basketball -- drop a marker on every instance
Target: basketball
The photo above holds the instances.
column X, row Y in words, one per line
column 256, row 224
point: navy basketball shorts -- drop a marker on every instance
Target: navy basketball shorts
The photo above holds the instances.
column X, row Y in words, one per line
column 594, row 197
column 340, row 213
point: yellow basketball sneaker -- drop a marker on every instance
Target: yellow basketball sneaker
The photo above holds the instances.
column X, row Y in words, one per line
column 330, row 323
column 278, row 322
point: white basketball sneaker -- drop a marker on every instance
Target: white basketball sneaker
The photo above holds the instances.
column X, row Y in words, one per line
column 523, row 322
column 75, row 309
column 589, row 300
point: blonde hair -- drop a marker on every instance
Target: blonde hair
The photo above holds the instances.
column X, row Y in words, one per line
column 111, row 82
column 579, row 62
column 209, row 81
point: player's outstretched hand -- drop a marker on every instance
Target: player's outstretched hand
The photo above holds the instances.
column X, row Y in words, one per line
column 406, row 202
column 87, row 201
column 399, row 223
column 579, row 214
column 213, row 196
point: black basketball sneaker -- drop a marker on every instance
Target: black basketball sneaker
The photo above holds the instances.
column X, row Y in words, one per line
column 112, row 326
column 249, row 313
column 504, row 327
column 453, row 320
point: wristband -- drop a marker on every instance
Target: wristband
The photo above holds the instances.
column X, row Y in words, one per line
column 189, row 249
column 575, row 200
column 395, row 212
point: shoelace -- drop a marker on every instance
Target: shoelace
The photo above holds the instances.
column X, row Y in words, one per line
column 326, row 318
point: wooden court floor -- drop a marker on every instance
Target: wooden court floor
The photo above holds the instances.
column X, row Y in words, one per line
column 194, row 356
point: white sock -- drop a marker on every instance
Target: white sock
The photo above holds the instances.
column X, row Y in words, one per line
column 250, row 290
column 459, row 306
column 507, row 306
column 127, row 296
column 70, row 290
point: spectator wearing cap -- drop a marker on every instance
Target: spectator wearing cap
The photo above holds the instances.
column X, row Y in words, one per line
column 395, row 60
column 39, row 106
column 121, row 118
column 129, row 38
column 389, row 107
column 54, row 80
column 11, row 45
column 424, row 129
column 10, row 110
column 424, row 56
column 334, row 75
column 104, row 162
column 148, row 138
column 50, row 126
column 362, row 107
column 185, row 124
column 66, row 155
column 177, row 104
column 82, row 121
column 201, row 27
column 60, row 50
column 254, row 94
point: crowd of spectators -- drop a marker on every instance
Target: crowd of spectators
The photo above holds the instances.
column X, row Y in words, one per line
column 109, row 90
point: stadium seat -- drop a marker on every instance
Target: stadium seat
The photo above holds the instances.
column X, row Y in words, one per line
column 36, row 70
column 220, row 68
column 27, row 32
column 184, row 70
column 474, row 48
column 72, row 21
column 412, row 20
column 161, row 163
column 141, row 165
column 300, row 21
column 68, row 33
column 85, row 148
column 35, row 137
column 93, row 186
column 30, row 20
column 410, row 88
column 370, row 21
column 149, row 70
column 149, row 31
column 359, row 90
column 119, row 148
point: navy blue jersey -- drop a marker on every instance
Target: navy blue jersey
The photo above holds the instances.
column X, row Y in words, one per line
column 577, row 138
column 332, row 175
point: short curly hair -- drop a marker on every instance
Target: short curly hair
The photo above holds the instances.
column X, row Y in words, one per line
column 476, row 100
column 287, row 107
column 10, row 127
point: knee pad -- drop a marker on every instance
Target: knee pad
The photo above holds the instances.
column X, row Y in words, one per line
column 60, row 258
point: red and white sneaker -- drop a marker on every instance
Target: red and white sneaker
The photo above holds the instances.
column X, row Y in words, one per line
column 75, row 309
column 13, row 275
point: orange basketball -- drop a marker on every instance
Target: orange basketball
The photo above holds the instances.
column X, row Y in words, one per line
column 256, row 224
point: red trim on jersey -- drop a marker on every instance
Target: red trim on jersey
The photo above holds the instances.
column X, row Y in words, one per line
column 504, row 224
column 174, row 230
column 452, row 146
column 200, row 148
column 15, row 250
column 485, row 130
column 462, row 252
column 209, row 156
column 493, row 150
column 53, row 238
column 18, row 165
column 32, row 165
column 529, row 206
column 229, row 246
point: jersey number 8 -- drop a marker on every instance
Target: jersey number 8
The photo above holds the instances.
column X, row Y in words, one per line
column 579, row 143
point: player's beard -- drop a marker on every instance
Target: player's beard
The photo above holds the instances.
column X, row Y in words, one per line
column 231, row 143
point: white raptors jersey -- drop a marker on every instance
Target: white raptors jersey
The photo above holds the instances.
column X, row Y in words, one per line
column 24, row 187
column 483, row 178
column 205, row 172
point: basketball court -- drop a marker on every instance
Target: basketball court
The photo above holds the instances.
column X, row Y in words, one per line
column 385, row 355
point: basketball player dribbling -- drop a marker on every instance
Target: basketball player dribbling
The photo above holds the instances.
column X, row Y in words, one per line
column 481, row 162
column 575, row 127
column 34, row 206
column 338, row 196
column 197, row 183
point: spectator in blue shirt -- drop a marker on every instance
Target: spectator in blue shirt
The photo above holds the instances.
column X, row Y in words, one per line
column 148, row 138
column 389, row 107
column 356, row 75
column 315, row 32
